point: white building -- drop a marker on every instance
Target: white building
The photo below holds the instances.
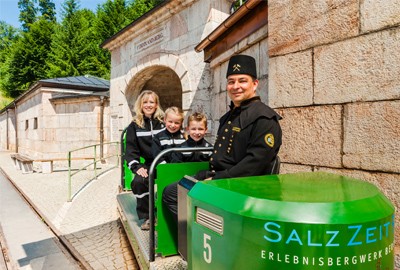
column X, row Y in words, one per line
column 56, row 116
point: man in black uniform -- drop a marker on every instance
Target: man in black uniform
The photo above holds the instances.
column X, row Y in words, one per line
column 249, row 135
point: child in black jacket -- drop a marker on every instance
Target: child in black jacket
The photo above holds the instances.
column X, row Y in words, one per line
column 196, row 128
column 171, row 137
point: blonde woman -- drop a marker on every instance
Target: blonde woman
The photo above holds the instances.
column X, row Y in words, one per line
column 147, row 122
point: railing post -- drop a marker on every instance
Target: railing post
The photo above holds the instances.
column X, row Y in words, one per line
column 69, row 177
column 70, row 173
column 119, row 155
column 95, row 162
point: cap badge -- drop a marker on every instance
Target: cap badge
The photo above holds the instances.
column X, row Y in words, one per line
column 236, row 67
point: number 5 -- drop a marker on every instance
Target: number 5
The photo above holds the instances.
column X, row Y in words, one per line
column 207, row 252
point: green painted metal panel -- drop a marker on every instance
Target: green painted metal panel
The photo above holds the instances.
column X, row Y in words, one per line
column 293, row 221
column 128, row 174
column 128, row 177
column 166, row 229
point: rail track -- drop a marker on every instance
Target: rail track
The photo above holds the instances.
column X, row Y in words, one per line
column 17, row 211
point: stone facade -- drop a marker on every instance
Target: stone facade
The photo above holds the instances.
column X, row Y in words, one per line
column 255, row 45
column 47, row 126
column 330, row 68
column 158, row 54
column 7, row 130
column 334, row 73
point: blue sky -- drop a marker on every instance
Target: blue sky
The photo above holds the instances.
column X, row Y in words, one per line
column 9, row 11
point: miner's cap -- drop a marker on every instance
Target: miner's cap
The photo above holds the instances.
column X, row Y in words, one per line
column 242, row 64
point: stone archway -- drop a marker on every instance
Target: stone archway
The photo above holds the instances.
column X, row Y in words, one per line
column 168, row 86
column 167, row 77
column 162, row 80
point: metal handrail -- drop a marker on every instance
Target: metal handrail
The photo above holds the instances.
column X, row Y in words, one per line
column 95, row 160
column 151, row 190
column 122, row 151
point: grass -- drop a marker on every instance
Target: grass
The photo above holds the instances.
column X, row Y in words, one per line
column 4, row 101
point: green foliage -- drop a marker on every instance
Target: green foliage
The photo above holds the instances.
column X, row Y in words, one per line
column 28, row 57
column 236, row 5
column 48, row 49
column 140, row 7
column 8, row 36
column 27, row 15
column 48, row 10
column 75, row 48
column 69, row 7
column 112, row 16
column 4, row 101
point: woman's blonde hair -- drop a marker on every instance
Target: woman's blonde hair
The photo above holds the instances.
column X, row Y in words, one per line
column 139, row 116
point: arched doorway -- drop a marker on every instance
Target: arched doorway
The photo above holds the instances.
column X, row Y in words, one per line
column 162, row 80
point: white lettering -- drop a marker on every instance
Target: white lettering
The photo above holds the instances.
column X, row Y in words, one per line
column 323, row 262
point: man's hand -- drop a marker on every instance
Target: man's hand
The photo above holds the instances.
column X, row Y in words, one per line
column 204, row 175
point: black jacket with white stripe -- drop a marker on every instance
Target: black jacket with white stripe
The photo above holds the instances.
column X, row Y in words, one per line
column 165, row 140
column 139, row 142
column 192, row 156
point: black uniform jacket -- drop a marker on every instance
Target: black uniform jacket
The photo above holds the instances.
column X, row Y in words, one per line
column 249, row 138
column 192, row 156
column 139, row 142
column 165, row 140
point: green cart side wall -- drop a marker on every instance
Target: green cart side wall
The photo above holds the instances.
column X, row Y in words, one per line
column 292, row 221
column 128, row 174
column 166, row 231
column 128, row 177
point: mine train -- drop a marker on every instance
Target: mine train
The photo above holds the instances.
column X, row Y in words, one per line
column 310, row 220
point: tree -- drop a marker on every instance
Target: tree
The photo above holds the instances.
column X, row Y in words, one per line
column 48, row 10
column 27, row 14
column 69, row 8
column 140, row 7
column 75, row 47
column 8, row 36
column 112, row 16
column 47, row 49
column 27, row 62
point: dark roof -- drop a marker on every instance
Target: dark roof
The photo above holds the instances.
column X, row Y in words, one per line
column 88, row 82
column 60, row 96
column 94, row 86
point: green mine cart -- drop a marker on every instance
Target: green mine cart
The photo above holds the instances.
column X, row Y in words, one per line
column 291, row 221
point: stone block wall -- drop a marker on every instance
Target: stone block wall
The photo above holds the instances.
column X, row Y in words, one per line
column 7, row 130
column 71, row 124
column 182, row 25
column 28, row 112
column 49, row 129
column 334, row 75
column 255, row 45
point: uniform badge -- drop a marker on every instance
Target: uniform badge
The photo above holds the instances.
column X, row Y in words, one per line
column 236, row 67
column 269, row 140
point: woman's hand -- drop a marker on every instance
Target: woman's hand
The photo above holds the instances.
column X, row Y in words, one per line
column 142, row 172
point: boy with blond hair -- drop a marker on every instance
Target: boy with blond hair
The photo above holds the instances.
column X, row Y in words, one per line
column 196, row 129
column 172, row 136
